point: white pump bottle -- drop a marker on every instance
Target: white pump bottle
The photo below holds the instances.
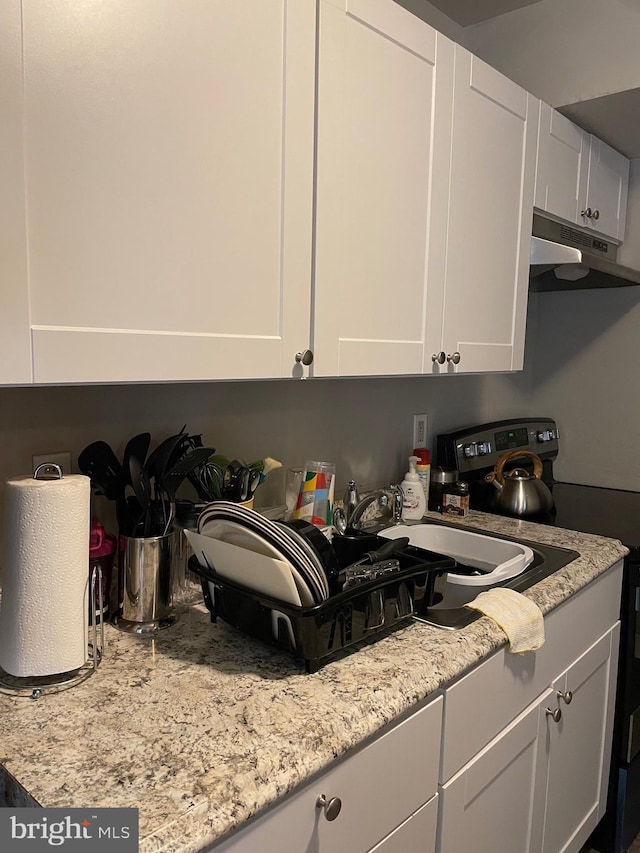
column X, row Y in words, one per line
column 414, row 504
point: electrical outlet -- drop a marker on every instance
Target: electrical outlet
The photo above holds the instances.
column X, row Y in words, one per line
column 419, row 430
column 62, row 458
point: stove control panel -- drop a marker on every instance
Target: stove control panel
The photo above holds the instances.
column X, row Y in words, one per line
column 475, row 451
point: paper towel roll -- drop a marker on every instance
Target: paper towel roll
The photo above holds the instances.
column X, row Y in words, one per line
column 44, row 607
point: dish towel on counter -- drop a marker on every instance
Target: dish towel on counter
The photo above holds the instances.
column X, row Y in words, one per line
column 518, row 616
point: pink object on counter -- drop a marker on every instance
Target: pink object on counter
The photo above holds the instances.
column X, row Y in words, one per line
column 102, row 548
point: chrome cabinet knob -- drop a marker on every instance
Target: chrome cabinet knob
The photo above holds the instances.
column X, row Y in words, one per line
column 596, row 214
column 305, row 357
column 440, row 357
column 331, row 807
column 588, row 213
column 453, row 358
column 566, row 697
column 555, row 714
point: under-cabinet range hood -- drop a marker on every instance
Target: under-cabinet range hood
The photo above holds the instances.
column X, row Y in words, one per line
column 568, row 258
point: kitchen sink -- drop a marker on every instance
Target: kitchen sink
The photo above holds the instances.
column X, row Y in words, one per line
column 483, row 560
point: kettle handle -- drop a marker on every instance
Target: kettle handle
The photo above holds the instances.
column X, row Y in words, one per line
column 518, row 454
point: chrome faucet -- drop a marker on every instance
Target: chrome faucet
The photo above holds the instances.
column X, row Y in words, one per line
column 355, row 513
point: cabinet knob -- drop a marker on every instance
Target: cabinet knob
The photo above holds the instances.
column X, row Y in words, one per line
column 588, row 213
column 566, row 697
column 440, row 357
column 305, row 357
column 555, row 714
column 596, row 214
column 454, row 358
column 331, row 807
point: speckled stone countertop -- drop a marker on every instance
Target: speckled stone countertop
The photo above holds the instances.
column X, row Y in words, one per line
column 202, row 727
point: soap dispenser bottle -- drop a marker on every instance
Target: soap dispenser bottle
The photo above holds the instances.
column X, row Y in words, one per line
column 414, row 504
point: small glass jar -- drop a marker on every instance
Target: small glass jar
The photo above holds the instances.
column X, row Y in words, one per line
column 455, row 499
column 441, row 479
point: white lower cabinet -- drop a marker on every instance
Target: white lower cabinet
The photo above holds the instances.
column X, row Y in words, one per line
column 488, row 806
column 387, row 794
column 538, row 786
column 578, row 746
column 527, row 739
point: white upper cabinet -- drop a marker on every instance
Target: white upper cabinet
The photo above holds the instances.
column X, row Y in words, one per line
column 580, row 179
column 563, row 162
column 377, row 84
column 169, row 176
column 480, row 249
column 15, row 344
column 605, row 208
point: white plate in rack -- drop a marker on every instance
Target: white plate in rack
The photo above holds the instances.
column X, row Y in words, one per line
column 265, row 573
column 303, row 560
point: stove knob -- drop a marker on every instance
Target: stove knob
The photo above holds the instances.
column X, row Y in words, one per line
column 544, row 435
column 484, row 448
column 470, row 450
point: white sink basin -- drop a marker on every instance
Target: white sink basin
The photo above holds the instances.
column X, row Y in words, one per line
column 494, row 560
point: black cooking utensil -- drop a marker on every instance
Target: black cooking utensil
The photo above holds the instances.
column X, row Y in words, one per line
column 384, row 552
column 142, row 489
column 239, row 482
column 174, row 476
column 101, row 465
column 99, row 462
column 137, row 447
column 208, row 481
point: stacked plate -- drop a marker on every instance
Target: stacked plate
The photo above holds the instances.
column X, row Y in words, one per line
column 290, row 568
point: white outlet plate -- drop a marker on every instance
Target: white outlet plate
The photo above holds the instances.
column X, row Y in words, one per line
column 419, row 430
column 62, row 458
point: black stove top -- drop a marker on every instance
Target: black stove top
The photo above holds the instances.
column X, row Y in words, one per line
column 590, row 509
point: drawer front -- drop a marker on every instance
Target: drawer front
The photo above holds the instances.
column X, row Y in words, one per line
column 485, row 700
column 399, row 769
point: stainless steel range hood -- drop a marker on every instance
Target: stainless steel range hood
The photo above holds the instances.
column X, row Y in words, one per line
column 568, row 258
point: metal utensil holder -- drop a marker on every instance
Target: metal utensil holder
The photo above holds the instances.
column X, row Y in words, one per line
column 36, row 686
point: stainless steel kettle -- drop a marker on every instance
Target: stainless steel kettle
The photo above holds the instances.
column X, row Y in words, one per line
column 518, row 491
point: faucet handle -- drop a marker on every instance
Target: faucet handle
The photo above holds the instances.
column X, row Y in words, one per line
column 351, row 500
column 398, row 501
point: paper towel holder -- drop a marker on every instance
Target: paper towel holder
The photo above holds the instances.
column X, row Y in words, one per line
column 36, row 686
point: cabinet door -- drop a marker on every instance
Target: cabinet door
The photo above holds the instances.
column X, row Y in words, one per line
column 579, row 746
column 15, row 345
column 377, row 83
column 487, row 243
column 379, row 787
column 562, row 164
column 169, row 163
column 607, row 190
column 493, row 803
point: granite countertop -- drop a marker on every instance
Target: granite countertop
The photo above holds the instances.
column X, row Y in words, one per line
column 202, row 727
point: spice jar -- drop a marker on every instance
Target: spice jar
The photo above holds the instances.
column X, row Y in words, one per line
column 455, row 499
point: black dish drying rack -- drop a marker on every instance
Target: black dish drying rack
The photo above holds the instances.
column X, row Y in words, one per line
column 316, row 634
